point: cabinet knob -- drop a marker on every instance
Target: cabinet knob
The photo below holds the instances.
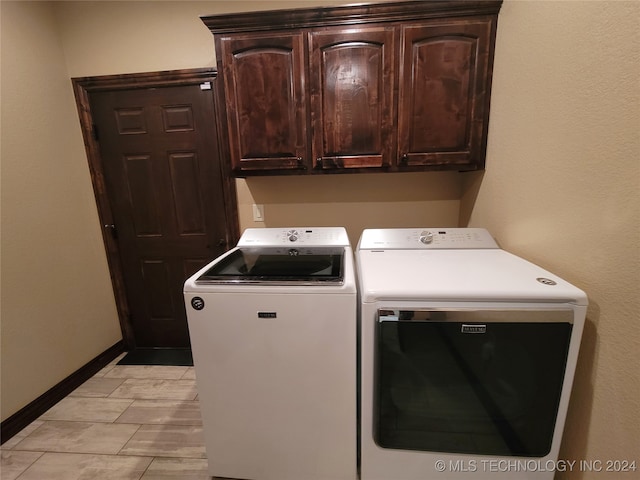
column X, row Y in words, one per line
column 404, row 160
column 301, row 163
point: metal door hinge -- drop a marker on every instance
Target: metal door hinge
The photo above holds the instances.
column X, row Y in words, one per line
column 113, row 229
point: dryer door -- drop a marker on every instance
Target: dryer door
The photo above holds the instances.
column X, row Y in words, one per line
column 477, row 382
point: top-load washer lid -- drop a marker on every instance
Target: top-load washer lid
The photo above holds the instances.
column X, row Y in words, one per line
column 455, row 264
column 278, row 266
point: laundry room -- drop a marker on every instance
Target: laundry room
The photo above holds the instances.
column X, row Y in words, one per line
column 559, row 186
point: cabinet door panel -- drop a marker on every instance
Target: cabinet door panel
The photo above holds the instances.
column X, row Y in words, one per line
column 444, row 95
column 352, row 85
column 266, row 114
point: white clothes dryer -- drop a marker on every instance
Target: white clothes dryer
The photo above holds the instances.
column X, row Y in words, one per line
column 273, row 333
column 467, row 357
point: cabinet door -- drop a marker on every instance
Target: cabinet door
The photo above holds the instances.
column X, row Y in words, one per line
column 352, row 88
column 444, row 94
column 266, row 105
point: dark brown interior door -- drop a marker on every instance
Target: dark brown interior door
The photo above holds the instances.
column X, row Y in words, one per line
column 160, row 160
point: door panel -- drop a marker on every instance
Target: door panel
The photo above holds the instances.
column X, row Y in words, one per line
column 265, row 102
column 445, row 92
column 189, row 208
column 142, row 197
column 161, row 165
column 352, row 89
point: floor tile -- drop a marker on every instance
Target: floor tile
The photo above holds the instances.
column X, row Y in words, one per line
column 146, row 372
column 18, row 437
column 104, row 370
column 156, row 389
column 97, row 387
column 110, row 366
column 78, row 437
column 162, row 412
column 127, row 422
column 167, row 441
column 72, row 466
column 78, row 409
column 13, row 463
column 177, row 469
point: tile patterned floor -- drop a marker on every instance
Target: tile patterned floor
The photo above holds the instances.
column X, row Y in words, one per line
column 125, row 423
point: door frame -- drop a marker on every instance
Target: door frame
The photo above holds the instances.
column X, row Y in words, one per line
column 82, row 88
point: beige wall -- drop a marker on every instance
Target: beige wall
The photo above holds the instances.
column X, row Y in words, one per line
column 58, row 310
column 561, row 186
column 354, row 201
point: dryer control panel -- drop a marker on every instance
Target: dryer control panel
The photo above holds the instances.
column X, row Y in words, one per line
column 426, row 238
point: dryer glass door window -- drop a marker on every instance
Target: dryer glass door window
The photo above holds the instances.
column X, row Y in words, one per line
column 483, row 382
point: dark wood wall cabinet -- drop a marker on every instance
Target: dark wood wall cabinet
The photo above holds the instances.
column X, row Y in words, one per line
column 385, row 87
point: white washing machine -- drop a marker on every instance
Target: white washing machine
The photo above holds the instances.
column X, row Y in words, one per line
column 273, row 332
column 467, row 357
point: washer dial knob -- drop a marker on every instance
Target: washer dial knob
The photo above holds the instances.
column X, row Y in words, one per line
column 292, row 235
column 426, row 237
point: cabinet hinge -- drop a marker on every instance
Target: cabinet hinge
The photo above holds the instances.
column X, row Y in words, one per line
column 94, row 132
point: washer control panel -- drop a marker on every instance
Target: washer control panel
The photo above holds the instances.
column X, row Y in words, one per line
column 426, row 238
column 307, row 236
